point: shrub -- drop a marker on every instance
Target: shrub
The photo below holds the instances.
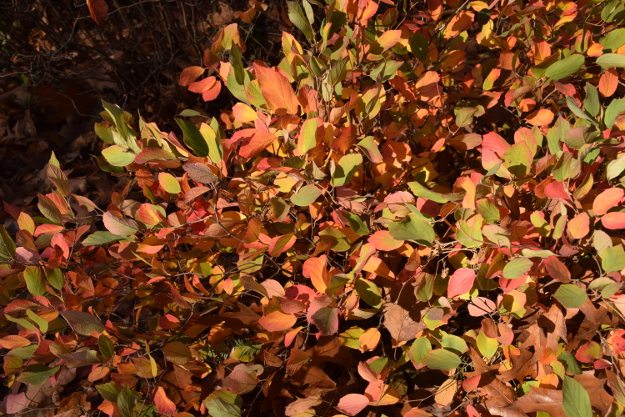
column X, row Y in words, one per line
column 416, row 212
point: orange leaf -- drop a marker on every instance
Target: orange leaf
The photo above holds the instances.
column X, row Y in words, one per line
column 277, row 321
column 369, row 339
column 541, row 117
column 277, row 91
column 189, row 75
column 435, row 8
column 389, row 39
column 202, row 86
column 579, row 226
column 608, row 82
column 458, row 23
column 606, row 200
column 254, row 141
column 382, row 240
column 243, row 113
column 315, row 269
column 13, row 342
column 99, row 10
column 163, row 404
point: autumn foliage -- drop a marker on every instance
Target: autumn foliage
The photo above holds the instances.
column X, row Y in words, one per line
column 418, row 211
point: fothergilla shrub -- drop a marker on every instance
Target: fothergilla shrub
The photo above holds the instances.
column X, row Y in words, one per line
column 418, row 211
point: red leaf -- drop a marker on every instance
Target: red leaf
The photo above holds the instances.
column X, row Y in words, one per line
column 352, row 404
column 588, row 352
column 556, row 191
column 607, row 200
column 382, row 240
column 471, row 384
column 614, row 220
column 460, row 282
column 99, row 10
column 557, row 269
column 492, row 141
column 163, row 404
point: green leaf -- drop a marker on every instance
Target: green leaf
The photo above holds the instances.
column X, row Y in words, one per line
column 570, row 363
column 193, row 138
column 577, row 111
column 575, row 399
column 37, row 374
column 308, row 135
column 565, row 67
column 82, row 323
column 487, row 210
column 351, row 337
column 614, row 40
column 55, row 278
column 109, row 391
column 469, row 237
column 336, row 239
column 420, row 191
column 454, row 343
column 517, row 267
column 106, row 347
column 518, row 159
column 345, row 169
column 611, row 61
column 591, row 102
column 306, row 195
column 34, row 280
column 442, row 359
column 419, row 350
column 7, row 246
column 100, row 238
column 126, row 401
column 413, row 228
column 117, row 156
column 613, row 259
column 571, row 296
column 487, row 346
column 464, row 116
column 299, row 19
column 371, row 148
column 369, row 292
column 189, row 113
column 419, row 46
column 356, row 223
column 40, row 322
column 615, row 108
column 223, row 403
column 615, row 167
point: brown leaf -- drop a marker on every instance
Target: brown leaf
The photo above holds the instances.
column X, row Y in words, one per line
column 540, row 399
column 400, row 325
